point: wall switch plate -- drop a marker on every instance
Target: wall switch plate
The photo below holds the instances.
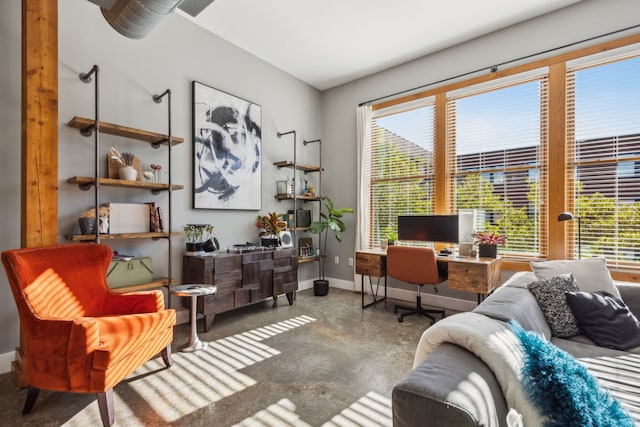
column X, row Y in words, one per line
column 337, row 260
column 350, row 262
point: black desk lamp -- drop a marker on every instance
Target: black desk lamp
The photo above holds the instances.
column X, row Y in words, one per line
column 567, row 216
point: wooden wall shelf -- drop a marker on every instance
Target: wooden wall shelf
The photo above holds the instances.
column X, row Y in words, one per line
column 297, row 166
column 299, row 197
column 92, row 237
column 88, row 125
column 85, row 182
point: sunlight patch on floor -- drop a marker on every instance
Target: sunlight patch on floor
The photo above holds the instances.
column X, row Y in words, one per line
column 281, row 414
column 372, row 410
column 196, row 379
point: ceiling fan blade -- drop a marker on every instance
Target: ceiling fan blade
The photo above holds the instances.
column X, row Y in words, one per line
column 194, row 7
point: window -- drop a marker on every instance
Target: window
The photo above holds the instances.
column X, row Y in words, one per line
column 519, row 147
column 495, row 133
column 604, row 149
column 401, row 166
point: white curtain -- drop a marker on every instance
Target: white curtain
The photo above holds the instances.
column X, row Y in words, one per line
column 364, row 116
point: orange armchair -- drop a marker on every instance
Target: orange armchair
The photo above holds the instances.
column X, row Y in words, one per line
column 78, row 335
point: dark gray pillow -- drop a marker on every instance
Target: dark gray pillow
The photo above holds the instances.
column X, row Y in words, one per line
column 605, row 319
column 549, row 293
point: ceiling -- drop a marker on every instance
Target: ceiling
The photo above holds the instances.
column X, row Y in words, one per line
column 332, row 42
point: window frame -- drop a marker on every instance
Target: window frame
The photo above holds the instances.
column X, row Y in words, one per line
column 557, row 198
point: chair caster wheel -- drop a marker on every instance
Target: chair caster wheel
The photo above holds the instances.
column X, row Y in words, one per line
column 400, row 319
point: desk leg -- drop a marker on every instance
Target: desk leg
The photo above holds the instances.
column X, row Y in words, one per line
column 374, row 295
column 194, row 343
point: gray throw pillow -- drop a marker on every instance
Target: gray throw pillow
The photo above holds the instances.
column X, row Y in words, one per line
column 591, row 274
column 605, row 319
column 550, row 295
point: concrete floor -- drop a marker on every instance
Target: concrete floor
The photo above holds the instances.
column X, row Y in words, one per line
column 321, row 362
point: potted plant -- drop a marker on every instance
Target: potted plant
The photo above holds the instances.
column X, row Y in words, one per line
column 392, row 236
column 488, row 242
column 331, row 220
column 196, row 235
column 271, row 225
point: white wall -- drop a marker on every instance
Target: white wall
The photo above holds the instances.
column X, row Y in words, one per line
column 583, row 20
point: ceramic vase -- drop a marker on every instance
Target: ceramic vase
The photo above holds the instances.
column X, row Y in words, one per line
column 87, row 225
column 128, row 173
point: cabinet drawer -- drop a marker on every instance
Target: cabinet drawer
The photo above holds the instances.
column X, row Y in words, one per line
column 371, row 264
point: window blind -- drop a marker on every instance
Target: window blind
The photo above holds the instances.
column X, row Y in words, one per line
column 603, row 156
column 496, row 134
column 401, row 166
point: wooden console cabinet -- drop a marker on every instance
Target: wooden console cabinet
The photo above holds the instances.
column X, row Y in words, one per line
column 241, row 278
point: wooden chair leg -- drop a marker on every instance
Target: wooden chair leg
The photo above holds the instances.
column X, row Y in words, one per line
column 105, row 403
column 32, row 396
column 166, row 356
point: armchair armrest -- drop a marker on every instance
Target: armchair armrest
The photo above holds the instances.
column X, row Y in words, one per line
column 59, row 348
column 133, row 302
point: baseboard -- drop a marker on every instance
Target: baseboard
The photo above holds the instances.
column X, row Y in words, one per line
column 5, row 361
column 409, row 296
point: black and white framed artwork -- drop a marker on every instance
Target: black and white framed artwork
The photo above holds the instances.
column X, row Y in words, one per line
column 227, row 145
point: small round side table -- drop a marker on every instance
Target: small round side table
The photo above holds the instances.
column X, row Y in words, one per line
column 194, row 291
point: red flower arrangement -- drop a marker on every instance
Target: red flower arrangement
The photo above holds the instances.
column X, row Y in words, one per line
column 489, row 238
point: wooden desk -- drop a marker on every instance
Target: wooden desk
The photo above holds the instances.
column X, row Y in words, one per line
column 372, row 263
column 478, row 275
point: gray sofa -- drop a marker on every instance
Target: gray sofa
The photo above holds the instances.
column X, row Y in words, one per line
column 454, row 387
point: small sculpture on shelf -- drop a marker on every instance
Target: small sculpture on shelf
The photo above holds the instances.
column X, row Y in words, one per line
column 272, row 225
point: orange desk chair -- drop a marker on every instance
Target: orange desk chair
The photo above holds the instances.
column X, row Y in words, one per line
column 416, row 265
column 78, row 335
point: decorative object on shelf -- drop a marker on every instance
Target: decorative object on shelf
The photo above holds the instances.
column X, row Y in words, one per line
column 332, row 219
column 125, row 159
column 87, row 225
column 272, row 225
column 148, row 175
column 227, row 138
column 196, row 235
column 88, row 221
column 156, row 172
column 488, row 242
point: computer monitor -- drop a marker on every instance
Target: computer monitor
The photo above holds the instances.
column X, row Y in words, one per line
column 429, row 228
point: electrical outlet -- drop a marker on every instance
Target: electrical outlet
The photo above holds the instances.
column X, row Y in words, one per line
column 337, row 260
column 350, row 262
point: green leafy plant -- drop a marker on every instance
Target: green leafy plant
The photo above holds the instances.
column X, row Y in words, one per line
column 331, row 220
column 197, row 233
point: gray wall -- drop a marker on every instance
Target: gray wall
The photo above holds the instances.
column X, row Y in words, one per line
column 131, row 71
column 176, row 53
column 583, row 20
